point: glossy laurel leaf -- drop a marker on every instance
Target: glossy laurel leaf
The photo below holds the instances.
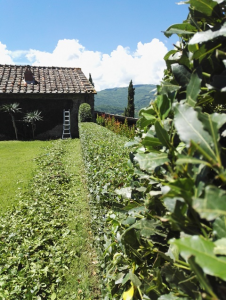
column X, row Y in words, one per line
column 162, row 135
column 193, row 89
column 181, row 74
column 184, row 28
column 219, row 227
column 213, row 205
column 220, row 248
column 203, row 251
column 163, row 104
column 149, row 161
column 206, row 7
column 209, row 35
column 190, row 129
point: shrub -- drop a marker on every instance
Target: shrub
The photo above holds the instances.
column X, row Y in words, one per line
column 100, row 119
column 84, row 113
column 34, row 258
column 116, row 126
column 105, row 159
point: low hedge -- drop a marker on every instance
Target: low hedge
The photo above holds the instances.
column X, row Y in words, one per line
column 130, row 238
column 105, row 158
column 34, row 258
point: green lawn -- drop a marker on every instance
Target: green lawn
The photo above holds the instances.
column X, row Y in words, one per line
column 16, row 168
column 82, row 280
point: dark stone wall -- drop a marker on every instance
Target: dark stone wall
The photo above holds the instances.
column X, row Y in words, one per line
column 51, row 107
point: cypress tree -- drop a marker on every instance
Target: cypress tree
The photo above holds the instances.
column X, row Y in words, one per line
column 91, row 80
column 129, row 110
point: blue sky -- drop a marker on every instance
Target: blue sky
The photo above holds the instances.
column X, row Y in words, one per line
column 100, row 36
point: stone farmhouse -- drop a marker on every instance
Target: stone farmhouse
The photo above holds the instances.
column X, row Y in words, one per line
column 50, row 90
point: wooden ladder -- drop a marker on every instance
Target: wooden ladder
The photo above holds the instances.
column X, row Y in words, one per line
column 66, row 124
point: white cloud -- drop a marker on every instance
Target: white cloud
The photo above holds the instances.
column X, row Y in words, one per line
column 5, row 55
column 18, row 54
column 144, row 66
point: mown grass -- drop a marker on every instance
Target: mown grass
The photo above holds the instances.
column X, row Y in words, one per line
column 16, row 168
column 82, row 280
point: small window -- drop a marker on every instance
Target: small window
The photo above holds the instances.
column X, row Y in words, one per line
column 29, row 77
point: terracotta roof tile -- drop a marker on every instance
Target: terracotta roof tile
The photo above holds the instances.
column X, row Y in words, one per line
column 46, row 80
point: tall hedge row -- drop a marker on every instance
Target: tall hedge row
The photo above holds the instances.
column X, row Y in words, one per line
column 166, row 233
column 179, row 160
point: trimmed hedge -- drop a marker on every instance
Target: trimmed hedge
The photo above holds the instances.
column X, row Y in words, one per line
column 84, row 113
column 34, row 258
column 105, row 158
column 179, row 246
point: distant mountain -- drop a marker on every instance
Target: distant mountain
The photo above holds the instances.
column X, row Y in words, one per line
column 115, row 100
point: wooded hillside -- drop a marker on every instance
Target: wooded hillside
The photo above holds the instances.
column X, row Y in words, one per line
column 115, row 100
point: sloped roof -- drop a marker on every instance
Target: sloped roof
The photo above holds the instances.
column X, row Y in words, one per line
column 46, row 80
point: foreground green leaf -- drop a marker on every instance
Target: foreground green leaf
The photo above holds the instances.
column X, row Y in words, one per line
column 181, row 74
column 203, row 250
column 163, row 104
column 184, row 28
column 193, row 89
column 149, row 161
column 220, row 247
column 219, row 227
column 171, row 296
column 162, row 135
column 191, row 129
column 213, row 205
column 209, row 35
column 201, row 276
column 183, row 159
column 204, row 6
column 168, row 87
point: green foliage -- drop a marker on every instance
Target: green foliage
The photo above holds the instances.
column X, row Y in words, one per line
column 129, row 110
column 105, row 159
column 84, row 113
column 32, row 253
column 179, row 162
column 38, row 239
column 116, row 126
column 12, row 109
column 32, row 117
column 100, row 119
column 114, row 100
column 90, row 79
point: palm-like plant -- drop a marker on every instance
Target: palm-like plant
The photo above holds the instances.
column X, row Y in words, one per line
column 32, row 117
column 12, row 109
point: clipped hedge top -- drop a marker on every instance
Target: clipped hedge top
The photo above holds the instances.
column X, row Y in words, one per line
column 84, row 113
